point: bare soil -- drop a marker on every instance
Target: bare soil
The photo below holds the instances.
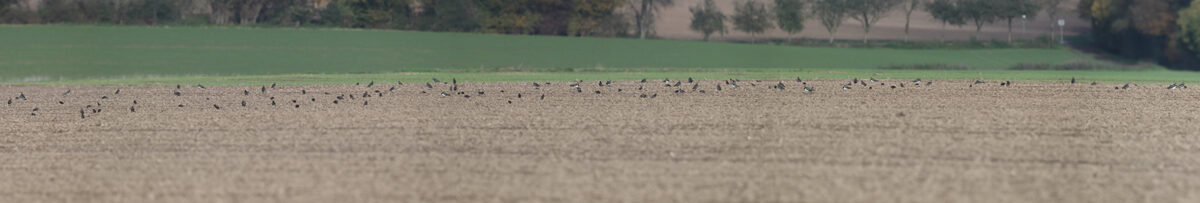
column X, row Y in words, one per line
column 949, row 142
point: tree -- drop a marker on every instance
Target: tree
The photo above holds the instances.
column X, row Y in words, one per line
column 1153, row 17
column 831, row 13
column 1053, row 11
column 912, row 5
column 644, row 14
column 707, row 19
column 790, row 16
column 978, row 12
column 1189, row 27
column 868, row 12
column 588, row 15
column 947, row 12
column 386, row 14
column 1011, row 9
column 751, row 17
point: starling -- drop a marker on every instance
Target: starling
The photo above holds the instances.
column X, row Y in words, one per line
column 303, row 91
column 518, row 95
column 314, row 99
column 600, row 83
column 399, row 83
column 273, row 102
column 978, row 82
column 1126, row 86
column 81, row 115
column 371, row 84
column 901, row 84
column 653, row 96
column 1072, row 80
column 35, row 109
column 60, row 102
column 264, row 89
column 854, row 81
column 297, row 106
column 217, row 107
column 245, row 92
column 131, row 109
column 392, row 90
column 22, row 97
column 639, row 87
column 134, row 101
column 177, row 93
column 103, row 97
column 643, row 80
column 678, row 83
column 9, row 101
column 444, row 94
column 536, row 85
column 380, row 94
column 779, row 86
column 200, row 86
column 690, row 80
column 928, row 83
column 893, row 87
column 578, row 90
column 597, row 91
column 1093, row 82
column 180, row 105
column 467, row 96
column 643, row 96
column 364, row 102
column 435, row 80
column 543, row 97
column 243, row 103
column 427, row 85
column 68, row 93
column 177, row 86
column 509, row 101
column 798, row 79
column 454, row 80
column 272, row 85
column 718, row 87
column 357, row 83
column 696, row 86
column 479, row 91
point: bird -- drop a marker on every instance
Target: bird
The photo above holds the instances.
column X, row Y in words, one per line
column 392, row 90
column 304, row 91
column 854, row 81
column 217, row 107
column 177, row 93
column 653, row 96
column 435, row 80
column 678, row 83
column 798, row 79
column 35, row 109
column 928, row 83
column 917, row 81
column 978, row 82
column 68, row 93
column 600, row 83
column 243, row 103
column 297, row 106
column 200, row 86
column 643, row 96
column 718, row 87
column 518, row 95
column 597, row 91
column 640, row 87
column 177, row 86
column 103, row 97
column 399, row 83
column 273, row 102
column 873, row 80
column 536, row 85
column 578, row 90
column 134, row 101
column 10, row 102
column 845, row 87
column 60, row 102
column 245, row 92
column 479, row 91
column 131, row 109
column 272, row 85
column 1126, row 86
column 264, row 89
column 543, row 97
column 180, row 105
column 690, row 80
column 697, row 85
column 454, row 80
column 779, row 86
column 467, row 96
column 81, row 115
column 427, row 85
column 364, row 102
column 1172, row 87
column 371, row 84
column 1093, row 82
column 808, row 89
column 444, row 94
column 22, row 96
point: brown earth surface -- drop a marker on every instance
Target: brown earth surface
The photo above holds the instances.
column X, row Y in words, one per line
column 949, row 142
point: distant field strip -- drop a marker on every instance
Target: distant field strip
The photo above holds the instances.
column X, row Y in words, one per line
column 64, row 53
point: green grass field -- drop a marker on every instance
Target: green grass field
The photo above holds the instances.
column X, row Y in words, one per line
column 61, row 54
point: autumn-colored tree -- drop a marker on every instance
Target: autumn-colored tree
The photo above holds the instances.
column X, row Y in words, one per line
column 1153, row 17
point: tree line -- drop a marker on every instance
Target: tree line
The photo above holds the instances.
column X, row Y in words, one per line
column 1164, row 31
column 542, row 17
column 753, row 17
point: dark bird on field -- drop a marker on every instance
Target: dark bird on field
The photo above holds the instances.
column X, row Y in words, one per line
column 427, row 85
column 855, row 81
column 22, row 96
column 314, row 99
column 696, row 86
column 618, row 89
column 217, row 107
column 245, row 92
column 177, row 93
column 666, row 80
column 444, row 94
column 357, row 83
column 297, row 106
column 304, row 91
column 479, row 91
column 435, row 80
column 779, row 86
column 518, row 95
column 364, row 102
column 68, row 93
column 134, row 101
column 643, row 80
column 1008, row 83
column 536, row 85
column 454, row 80
column 264, row 89
column 798, row 79
column 399, row 83
column 81, row 115
column 901, row 85
column 701, row 91
column 103, row 97
column 272, row 85
column 543, row 97
column 9, row 101
column 640, row 87
column 180, row 105
column 200, row 86
column 929, row 83
column 1093, row 82
column 372, row 84
column 917, row 81
column 467, row 96
column 808, row 89
column 978, row 82
column 864, row 83
column 273, row 102
column 366, row 95
column 893, row 87
column 177, row 86
column 335, row 101
column 873, row 80
column 678, row 83
column 509, row 101
column 1072, row 80
column 643, row 96
column 1126, row 86
column 845, row 87
column 690, row 80
column 718, row 87
column 293, row 101
column 352, row 96
column 578, row 90
column 35, row 109
column 380, row 94
column 131, row 109
column 597, row 91
column 600, row 83
column 392, row 90
column 243, row 103
column 1172, row 87
column 60, row 102
column 653, row 96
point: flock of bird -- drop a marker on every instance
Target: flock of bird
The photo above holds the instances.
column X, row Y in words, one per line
column 452, row 89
